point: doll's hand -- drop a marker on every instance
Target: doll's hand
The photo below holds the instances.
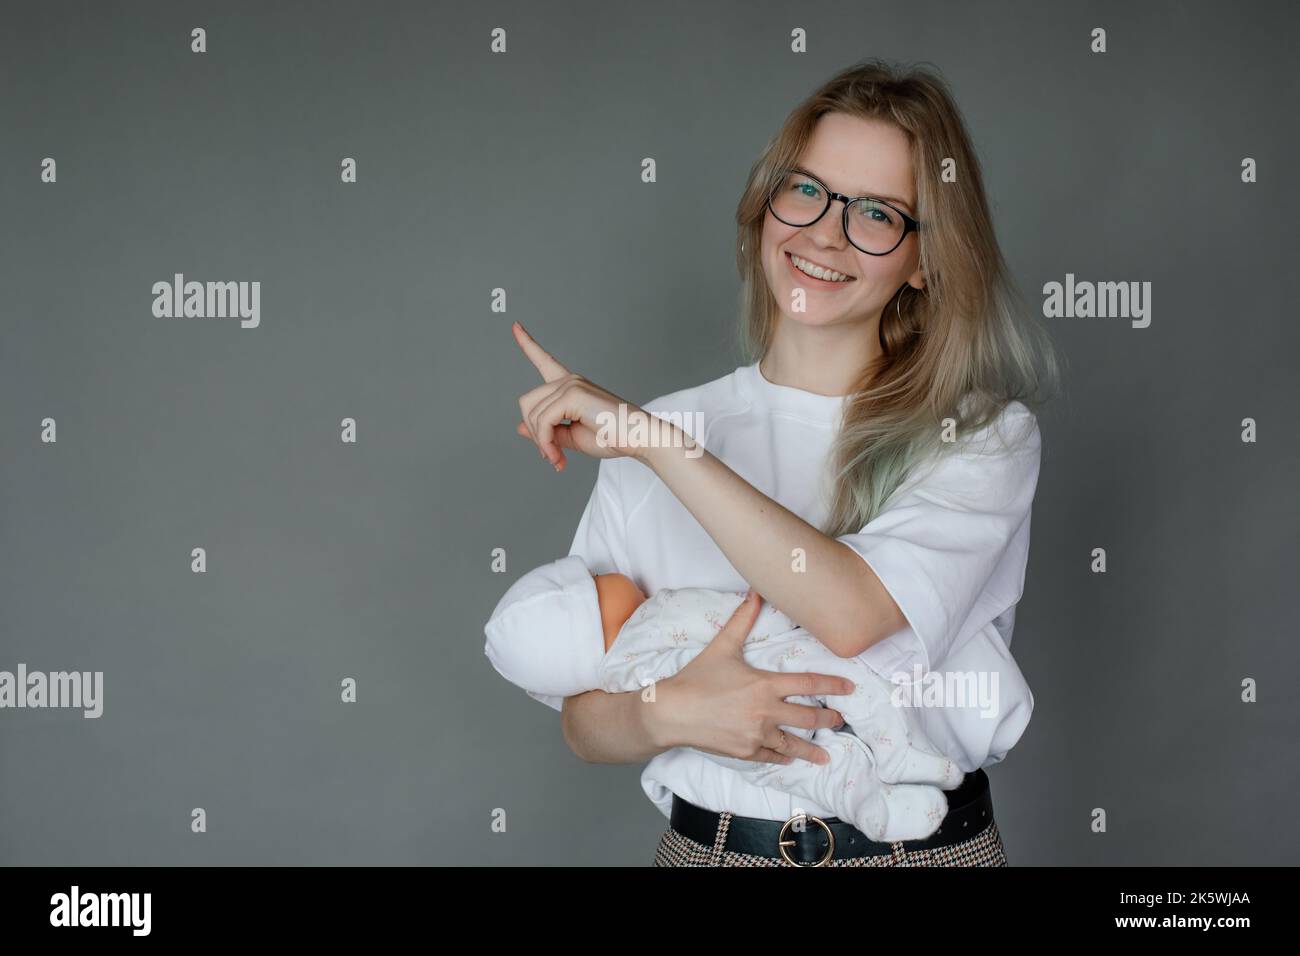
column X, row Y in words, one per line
column 601, row 424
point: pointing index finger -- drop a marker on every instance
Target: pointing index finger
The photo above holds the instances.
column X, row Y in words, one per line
column 542, row 360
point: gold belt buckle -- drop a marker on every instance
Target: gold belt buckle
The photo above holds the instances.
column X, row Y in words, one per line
column 782, row 842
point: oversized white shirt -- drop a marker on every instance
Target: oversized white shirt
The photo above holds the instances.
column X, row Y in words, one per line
column 950, row 546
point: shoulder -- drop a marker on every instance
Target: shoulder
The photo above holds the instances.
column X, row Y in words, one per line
column 695, row 410
column 716, row 396
column 1013, row 429
column 699, row 409
column 991, row 462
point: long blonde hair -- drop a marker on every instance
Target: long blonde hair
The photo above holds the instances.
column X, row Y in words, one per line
column 962, row 348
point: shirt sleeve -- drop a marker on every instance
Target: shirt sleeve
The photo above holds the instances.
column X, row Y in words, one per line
column 940, row 539
column 600, row 540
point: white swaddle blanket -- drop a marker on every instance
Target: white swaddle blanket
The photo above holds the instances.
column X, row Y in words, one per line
column 884, row 777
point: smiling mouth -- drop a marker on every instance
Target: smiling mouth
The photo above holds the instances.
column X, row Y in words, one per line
column 817, row 272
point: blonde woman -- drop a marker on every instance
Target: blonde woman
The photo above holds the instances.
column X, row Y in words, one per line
column 871, row 474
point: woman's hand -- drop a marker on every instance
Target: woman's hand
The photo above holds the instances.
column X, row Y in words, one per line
column 720, row 704
column 596, row 426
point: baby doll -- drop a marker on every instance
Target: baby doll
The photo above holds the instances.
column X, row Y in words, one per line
column 561, row 631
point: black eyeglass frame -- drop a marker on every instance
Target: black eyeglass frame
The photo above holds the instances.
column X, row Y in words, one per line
column 909, row 224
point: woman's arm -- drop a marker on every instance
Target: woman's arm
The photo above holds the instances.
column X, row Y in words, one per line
column 837, row 597
column 716, row 703
column 608, row 728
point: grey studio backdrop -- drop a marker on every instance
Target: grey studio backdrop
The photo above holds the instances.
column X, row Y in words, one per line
column 521, row 171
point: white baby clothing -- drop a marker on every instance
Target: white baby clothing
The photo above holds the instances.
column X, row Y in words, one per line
column 884, row 777
column 950, row 545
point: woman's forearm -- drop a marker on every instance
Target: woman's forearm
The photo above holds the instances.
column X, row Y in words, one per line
column 827, row 589
column 609, row 728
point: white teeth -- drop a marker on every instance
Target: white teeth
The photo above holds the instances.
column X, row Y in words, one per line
column 816, row 271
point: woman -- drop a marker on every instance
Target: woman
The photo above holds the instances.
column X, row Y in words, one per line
column 871, row 474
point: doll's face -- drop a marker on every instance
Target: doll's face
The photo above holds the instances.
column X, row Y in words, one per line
column 619, row 597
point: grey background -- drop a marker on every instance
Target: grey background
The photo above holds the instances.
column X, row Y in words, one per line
column 522, row 171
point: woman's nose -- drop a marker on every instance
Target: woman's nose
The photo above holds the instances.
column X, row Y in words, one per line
column 828, row 231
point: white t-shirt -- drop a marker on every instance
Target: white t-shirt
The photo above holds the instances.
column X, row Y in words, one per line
column 950, row 546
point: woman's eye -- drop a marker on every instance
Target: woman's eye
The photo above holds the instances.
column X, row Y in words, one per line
column 809, row 190
column 875, row 213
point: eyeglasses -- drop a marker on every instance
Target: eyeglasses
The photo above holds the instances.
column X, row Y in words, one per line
column 872, row 225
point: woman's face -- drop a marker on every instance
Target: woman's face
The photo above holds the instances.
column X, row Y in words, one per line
column 856, row 157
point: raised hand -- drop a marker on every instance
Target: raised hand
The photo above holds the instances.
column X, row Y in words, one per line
column 568, row 411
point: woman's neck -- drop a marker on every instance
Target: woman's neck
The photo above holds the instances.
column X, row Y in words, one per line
column 826, row 360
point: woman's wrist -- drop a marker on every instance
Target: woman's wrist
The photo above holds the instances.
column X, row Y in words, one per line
column 667, row 441
column 655, row 714
column 621, row 727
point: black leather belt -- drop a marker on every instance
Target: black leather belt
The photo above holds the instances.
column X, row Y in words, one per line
column 822, row 839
